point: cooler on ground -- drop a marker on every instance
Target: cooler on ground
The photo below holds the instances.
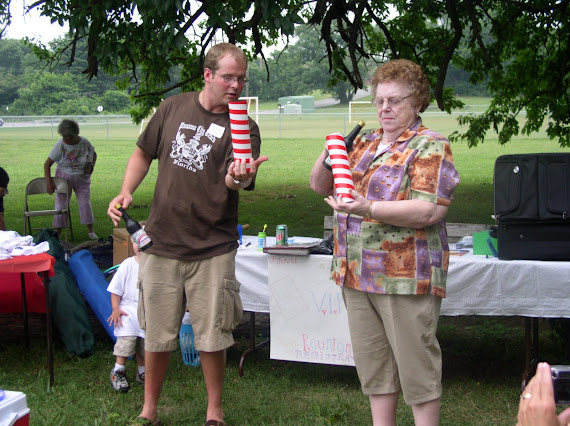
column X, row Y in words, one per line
column 14, row 410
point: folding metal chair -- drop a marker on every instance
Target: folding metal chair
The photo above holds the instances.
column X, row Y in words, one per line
column 36, row 187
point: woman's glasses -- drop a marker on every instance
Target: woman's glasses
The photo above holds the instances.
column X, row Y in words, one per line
column 393, row 101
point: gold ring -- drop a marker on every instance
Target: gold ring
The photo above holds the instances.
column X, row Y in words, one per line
column 526, row 396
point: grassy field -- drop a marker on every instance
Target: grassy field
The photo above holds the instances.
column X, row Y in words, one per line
column 483, row 357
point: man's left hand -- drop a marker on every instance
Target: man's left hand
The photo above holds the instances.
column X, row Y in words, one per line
column 238, row 169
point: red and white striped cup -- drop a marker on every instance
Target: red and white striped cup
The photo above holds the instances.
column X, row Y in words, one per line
column 239, row 124
column 342, row 176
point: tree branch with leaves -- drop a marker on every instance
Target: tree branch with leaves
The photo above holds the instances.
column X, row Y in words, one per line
column 519, row 48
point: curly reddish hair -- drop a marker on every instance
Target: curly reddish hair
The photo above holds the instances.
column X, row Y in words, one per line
column 406, row 71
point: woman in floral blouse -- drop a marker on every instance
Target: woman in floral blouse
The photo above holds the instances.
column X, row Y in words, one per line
column 391, row 253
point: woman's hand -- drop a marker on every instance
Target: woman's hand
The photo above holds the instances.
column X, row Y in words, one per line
column 50, row 186
column 537, row 407
column 359, row 206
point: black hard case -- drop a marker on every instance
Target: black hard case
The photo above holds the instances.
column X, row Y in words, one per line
column 532, row 196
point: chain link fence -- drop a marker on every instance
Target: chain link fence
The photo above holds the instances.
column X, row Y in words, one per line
column 272, row 124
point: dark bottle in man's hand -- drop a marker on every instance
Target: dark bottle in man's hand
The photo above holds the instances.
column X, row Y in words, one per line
column 138, row 234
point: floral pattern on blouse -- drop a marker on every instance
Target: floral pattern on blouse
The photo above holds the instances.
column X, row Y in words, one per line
column 375, row 257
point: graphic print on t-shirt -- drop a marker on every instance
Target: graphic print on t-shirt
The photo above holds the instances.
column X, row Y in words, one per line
column 72, row 157
column 191, row 155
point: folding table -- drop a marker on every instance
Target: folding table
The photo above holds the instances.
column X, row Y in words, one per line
column 476, row 285
column 42, row 264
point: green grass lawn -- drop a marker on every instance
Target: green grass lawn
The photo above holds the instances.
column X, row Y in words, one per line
column 483, row 359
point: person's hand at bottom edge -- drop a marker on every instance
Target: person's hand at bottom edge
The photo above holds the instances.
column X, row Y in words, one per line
column 537, row 406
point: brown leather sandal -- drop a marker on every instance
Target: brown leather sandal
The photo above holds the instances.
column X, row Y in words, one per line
column 215, row 423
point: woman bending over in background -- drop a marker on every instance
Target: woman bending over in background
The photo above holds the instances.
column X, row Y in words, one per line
column 75, row 158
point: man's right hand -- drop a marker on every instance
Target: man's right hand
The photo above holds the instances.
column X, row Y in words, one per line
column 115, row 215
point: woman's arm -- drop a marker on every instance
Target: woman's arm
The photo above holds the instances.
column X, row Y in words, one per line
column 321, row 178
column 404, row 213
column 408, row 213
column 47, row 173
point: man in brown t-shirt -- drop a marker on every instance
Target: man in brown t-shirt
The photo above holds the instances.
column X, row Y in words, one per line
column 193, row 225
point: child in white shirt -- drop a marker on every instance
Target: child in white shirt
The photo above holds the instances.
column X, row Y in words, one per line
column 130, row 337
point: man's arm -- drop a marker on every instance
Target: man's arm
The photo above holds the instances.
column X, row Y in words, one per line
column 137, row 168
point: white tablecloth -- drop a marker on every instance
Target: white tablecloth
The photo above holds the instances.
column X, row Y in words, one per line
column 251, row 272
column 476, row 285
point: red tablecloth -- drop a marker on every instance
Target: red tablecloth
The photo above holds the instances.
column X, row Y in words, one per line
column 10, row 282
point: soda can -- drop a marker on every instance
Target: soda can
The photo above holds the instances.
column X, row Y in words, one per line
column 281, row 235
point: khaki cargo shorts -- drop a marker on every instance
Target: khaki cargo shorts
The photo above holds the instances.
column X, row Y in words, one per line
column 208, row 286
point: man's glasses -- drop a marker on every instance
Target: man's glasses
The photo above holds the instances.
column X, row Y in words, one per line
column 230, row 79
column 393, row 101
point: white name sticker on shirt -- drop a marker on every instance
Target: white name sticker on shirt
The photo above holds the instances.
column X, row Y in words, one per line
column 216, row 130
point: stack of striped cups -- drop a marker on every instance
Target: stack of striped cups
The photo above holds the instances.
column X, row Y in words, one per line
column 239, row 123
column 340, row 167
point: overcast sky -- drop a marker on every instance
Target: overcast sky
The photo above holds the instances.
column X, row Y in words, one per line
column 40, row 28
column 31, row 24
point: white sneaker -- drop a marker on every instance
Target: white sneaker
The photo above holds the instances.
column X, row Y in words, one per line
column 93, row 236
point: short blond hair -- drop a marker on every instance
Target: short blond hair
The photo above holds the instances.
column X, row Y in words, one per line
column 218, row 51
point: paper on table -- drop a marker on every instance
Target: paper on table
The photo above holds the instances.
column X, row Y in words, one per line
column 287, row 297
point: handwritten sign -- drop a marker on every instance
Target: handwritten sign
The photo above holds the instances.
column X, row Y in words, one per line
column 308, row 317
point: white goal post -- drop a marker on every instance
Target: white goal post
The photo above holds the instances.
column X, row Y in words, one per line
column 249, row 100
column 365, row 106
column 147, row 119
